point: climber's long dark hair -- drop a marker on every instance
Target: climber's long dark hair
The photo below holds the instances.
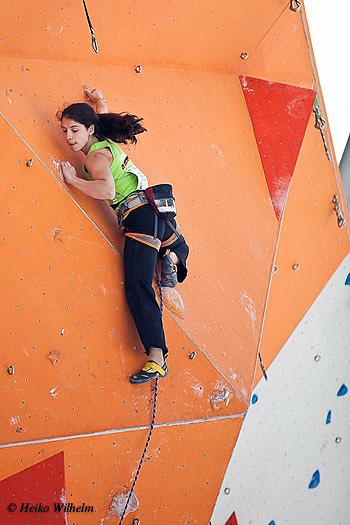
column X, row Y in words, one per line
column 120, row 127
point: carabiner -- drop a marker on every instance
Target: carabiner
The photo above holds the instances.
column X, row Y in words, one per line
column 295, row 5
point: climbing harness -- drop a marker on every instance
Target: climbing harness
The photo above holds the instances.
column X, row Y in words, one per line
column 133, row 201
column 340, row 218
column 153, row 418
column 159, row 196
column 149, row 240
column 93, row 39
column 162, row 199
column 175, row 235
column 295, row 5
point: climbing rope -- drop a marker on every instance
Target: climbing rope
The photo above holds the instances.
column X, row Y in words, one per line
column 144, row 450
column 154, row 413
column 93, row 39
column 160, row 290
column 262, row 365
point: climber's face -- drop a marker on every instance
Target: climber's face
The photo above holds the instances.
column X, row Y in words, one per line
column 78, row 136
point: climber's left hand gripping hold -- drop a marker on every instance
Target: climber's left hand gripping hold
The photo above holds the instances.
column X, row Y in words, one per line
column 69, row 173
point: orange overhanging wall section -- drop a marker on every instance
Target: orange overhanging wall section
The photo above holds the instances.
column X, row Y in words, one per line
column 68, row 341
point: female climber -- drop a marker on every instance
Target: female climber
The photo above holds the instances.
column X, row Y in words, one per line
column 110, row 175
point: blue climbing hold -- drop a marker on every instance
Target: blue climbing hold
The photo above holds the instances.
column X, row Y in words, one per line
column 347, row 281
column 343, row 390
column 272, row 522
column 254, row 399
column 329, row 417
column 315, row 480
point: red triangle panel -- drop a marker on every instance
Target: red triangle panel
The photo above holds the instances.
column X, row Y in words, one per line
column 28, row 497
column 279, row 115
column 232, row 520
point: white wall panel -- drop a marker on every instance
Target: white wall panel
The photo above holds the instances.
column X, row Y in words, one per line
column 291, row 465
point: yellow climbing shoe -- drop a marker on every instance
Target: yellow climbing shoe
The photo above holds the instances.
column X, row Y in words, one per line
column 150, row 371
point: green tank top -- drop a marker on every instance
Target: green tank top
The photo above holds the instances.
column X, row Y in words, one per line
column 127, row 178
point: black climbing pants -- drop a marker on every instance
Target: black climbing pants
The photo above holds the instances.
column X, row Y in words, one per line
column 139, row 266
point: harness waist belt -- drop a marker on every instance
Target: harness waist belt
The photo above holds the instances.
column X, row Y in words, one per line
column 130, row 203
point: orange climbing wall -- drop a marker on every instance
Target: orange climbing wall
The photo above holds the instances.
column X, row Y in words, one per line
column 67, row 337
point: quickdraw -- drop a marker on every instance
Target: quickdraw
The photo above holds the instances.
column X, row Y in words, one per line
column 320, row 124
column 336, row 207
column 93, row 39
column 295, row 5
column 262, row 366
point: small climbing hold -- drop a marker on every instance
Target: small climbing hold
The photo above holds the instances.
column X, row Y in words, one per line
column 11, row 370
column 244, row 56
column 315, row 480
column 295, row 267
column 138, row 69
column 29, row 163
column 347, row 281
column 53, row 392
column 343, row 390
column 117, row 506
column 231, row 521
column 317, row 358
column 227, row 491
column 220, row 399
column 53, row 356
column 254, row 399
column 192, row 355
column 172, row 300
column 338, row 440
column 57, row 235
column 329, row 417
